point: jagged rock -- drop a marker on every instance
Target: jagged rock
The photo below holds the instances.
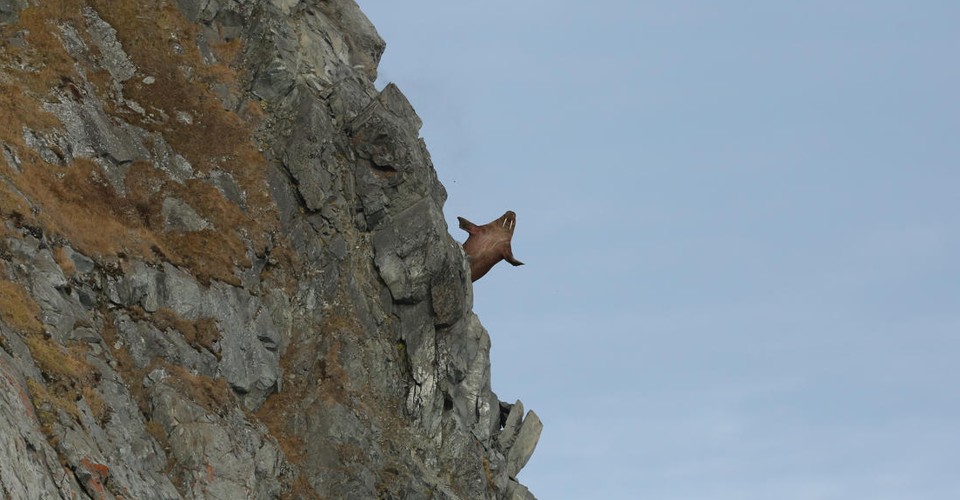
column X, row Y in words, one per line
column 51, row 149
column 272, row 81
column 525, row 443
column 448, row 297
column 179, row 216
column 508, row 435
column 179, row 291
column 85, row 334
column 364, row 42
column 238, row 464
column 464, row 351
column 10, row 10
column 11, row 157
column 250, row 362
column 60, row 308
column 145, row 343
column 228, row 186
column 168, row 160
column 137, row 287
column 112, row 57
column 335, row 354
column 82, row 263
column 408, row 253
column 29, row 467
column 91, row 133
column 517, row 491
column 394, row 171
column 310, row 153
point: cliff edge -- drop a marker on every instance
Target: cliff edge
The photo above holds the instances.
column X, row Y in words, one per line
column 224, row 266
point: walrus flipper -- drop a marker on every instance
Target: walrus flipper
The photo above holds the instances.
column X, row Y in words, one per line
column 508, row 256
column 468, row 226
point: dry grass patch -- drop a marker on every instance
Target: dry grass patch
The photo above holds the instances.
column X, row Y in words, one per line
column 211, row 253
column 275, row 413
column 66, row 264
column 61, row 364
column 214, row 394
column 18, row 309
column 27, row 76
column 18, row 109
column 227, row 51
column 101, row 411
column 76, row 202
column 279, row 412
column 162, row 42
column 79, row 204
column 201, row 333
column 67, row 379
column 126, row 367
column 47, row 59
column 159, row 433
column 48, row 405
column 488, row 474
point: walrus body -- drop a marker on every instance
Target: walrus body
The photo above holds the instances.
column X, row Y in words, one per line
column 489, row 244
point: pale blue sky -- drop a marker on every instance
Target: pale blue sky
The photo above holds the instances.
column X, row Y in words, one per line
column 740, row 223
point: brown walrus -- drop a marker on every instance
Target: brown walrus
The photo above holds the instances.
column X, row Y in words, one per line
column 489, row 243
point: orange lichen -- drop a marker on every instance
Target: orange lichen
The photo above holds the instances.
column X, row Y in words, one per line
column 98, row 474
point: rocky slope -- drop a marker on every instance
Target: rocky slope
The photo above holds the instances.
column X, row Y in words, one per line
column 224, row 267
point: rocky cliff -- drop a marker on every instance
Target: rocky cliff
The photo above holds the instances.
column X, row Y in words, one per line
column 224, row 267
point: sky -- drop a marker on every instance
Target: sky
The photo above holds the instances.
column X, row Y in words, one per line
column 740, row 228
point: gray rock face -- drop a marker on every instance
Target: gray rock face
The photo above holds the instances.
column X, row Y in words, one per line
column 112, row 56
column 29, row 467
column 335, row 355
column 525, row 443
column 225, row 463
column 246, row 350
column 10, row 10
column 179, row 216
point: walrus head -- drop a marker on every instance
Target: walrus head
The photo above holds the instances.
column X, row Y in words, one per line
column 489, row 243
column 506, row 223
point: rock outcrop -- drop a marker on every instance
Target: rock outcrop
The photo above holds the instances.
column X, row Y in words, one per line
column 224, row 267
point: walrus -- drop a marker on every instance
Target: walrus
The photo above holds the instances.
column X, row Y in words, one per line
column 489, row 243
